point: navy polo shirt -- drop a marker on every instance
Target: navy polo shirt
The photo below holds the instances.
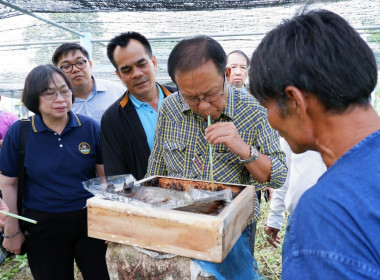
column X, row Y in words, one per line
column 55, row 164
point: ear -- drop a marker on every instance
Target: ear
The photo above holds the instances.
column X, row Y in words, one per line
column 118, row 74
column 90, row 63
column 297, row 101
column 228, row 74
column 154, row 60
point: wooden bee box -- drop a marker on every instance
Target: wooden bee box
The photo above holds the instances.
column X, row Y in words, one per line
column 200, row 236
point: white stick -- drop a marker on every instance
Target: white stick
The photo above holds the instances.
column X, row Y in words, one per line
column 211, row 159
column 18, row 217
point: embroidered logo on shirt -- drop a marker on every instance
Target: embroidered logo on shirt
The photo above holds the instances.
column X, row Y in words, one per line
column 199, row 164
column 84, row 148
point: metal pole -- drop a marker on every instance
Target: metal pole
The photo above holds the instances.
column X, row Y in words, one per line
column 85, row 41
column 360, row 29
column 17, row 8
column 58, row 42
column 12, row 101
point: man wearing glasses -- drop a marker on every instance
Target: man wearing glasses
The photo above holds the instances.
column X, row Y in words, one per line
column 246, row 149
column 92, row 96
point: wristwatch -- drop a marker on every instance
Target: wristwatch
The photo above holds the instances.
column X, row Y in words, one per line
column 254, row 156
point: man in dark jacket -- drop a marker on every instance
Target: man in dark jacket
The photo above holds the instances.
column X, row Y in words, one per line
column 128, row 125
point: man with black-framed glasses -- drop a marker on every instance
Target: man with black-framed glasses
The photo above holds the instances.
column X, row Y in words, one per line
column 246, row 149
column 92, row 96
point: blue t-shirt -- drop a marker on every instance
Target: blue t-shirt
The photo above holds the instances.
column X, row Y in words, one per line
column 55, row 164
column 334, row 231
column 239, row 263
column 148, row 116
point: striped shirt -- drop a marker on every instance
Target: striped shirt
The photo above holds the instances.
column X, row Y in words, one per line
column 180, row 149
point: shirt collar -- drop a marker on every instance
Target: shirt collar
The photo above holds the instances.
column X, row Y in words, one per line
column 233, row 95
column 184, row 106
column 95, row 89
column 39, row 126
column 137, row 103
column 98, row 87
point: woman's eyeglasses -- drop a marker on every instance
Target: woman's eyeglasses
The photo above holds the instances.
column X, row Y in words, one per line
column 52, row 95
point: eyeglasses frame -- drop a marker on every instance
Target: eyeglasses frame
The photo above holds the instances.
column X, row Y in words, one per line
column 72, row 65
column 49, row 97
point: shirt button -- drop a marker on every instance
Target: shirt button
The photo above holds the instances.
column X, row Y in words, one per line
column 61, row 145
column 59, row 139
column 55, row 133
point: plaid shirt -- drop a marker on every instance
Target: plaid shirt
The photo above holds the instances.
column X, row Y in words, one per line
column 180, row 149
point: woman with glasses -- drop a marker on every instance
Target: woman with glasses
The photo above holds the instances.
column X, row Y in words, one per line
column 62, row 150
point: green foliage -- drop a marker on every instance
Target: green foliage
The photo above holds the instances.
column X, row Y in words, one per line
column 374, row 37
column 268, row 258
column 15, row 267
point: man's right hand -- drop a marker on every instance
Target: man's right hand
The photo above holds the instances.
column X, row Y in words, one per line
column 272, row 237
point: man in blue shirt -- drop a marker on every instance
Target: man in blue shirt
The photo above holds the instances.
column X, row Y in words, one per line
column 315, row 74
column 92, row 96
column 129, row 123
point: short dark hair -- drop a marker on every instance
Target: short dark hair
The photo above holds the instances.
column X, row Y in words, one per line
column 65, row 48
column 241, row 53
column 122, row 40
column 190, row 54
column 37, row 82
column 319, row 53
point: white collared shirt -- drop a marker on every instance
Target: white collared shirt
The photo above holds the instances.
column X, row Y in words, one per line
column 102, row 96
column 303, row 172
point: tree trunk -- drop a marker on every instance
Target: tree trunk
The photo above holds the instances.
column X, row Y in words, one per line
column 125, row 262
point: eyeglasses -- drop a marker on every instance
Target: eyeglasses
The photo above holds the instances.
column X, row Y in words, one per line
column 67, row 68
column 194, row 101
column 52, row 95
